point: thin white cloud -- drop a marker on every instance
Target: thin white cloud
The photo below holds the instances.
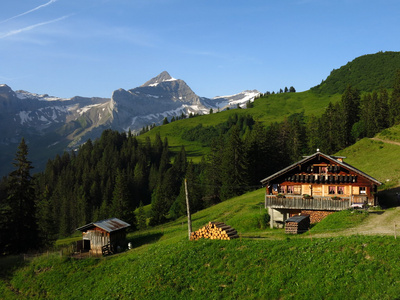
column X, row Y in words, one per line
column 17, row 31
column 29, row 11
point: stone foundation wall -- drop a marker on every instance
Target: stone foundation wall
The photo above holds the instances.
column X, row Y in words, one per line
column 316, row 215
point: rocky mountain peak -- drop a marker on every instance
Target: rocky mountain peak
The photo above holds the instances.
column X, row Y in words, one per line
column 163, row 76
column 6, row 93
column 5, row 89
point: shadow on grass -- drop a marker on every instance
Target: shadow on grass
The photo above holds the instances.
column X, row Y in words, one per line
column 389, row 198
column 10, row 263
column 378, row 212
column 141, row 240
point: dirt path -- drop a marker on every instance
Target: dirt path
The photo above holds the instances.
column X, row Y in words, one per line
column 385, row 141
column 377, row 223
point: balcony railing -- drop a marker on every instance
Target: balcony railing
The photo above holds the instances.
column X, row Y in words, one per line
column 316, row 203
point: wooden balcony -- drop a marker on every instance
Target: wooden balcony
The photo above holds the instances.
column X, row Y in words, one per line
column 317, row 203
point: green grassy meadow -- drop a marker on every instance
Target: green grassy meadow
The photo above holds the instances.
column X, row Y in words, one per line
column 378, row 159
column 355, row 267
column 267, row 110
column 263, row 263
column 391, row 134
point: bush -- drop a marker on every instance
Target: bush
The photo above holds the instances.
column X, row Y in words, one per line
column 263, row 220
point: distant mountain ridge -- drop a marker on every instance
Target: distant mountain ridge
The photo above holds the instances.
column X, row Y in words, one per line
column 57, row 124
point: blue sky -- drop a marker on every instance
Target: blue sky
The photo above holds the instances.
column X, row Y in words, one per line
column 93, row 47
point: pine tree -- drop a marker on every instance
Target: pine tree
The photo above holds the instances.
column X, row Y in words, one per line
column 383, row 110
column 313, row 134
column 47, row 225
column 122, row 199
column 332, row 126
column 395, row 101
column 234, row 167
column 258, row 154
column 350, row 103
column 213, row 171
column 141, row 217
column 21, row 201
column 178, row 208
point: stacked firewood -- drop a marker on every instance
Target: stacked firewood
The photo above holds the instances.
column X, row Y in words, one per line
column 294, row 228
column 297, row 226
column 215, row 231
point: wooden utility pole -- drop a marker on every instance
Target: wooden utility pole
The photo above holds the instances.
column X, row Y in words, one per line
column 188, row 209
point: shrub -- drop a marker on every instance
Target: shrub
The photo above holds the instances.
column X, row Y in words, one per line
column 263, row 220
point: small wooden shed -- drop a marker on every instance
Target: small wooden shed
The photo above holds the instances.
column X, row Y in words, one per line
column 103, row 236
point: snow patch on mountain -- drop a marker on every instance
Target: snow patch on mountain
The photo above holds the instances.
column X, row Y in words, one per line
column 85, row 109
column 223, row 102
column 24, row 116
column 165, row 80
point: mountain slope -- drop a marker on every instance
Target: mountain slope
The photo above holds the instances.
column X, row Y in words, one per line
column 366, row 73
column 268, row 109
column 51, row 125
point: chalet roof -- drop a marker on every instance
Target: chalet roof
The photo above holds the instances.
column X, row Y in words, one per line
column 306, row 159
column 108, row 225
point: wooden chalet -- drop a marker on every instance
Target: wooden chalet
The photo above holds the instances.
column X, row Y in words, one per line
column 317, row 185
column 103, row 237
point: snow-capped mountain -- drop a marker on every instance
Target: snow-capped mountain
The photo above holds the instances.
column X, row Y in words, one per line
column 57, row 124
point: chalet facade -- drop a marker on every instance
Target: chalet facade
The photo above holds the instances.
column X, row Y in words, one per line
column 101, row 236
column 317, row 185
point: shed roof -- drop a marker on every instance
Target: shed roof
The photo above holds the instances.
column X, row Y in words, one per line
column 328, row 157
column 108, row 225
column 297, row 219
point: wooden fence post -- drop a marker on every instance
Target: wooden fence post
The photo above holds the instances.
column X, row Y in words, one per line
column 395, row 235
column 188, row 210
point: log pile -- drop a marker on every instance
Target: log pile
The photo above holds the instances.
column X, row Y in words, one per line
column 297, row 224
column 215, row 231
column 316, row 215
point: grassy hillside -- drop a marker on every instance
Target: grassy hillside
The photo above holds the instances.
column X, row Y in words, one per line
column 376, row 158
column 342, row 268
column 263, row 263
column 390, row 134
column 367, row 73
column 267, row 110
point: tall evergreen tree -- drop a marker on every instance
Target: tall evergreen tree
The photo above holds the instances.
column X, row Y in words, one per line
column 258, row 154
column 141, row 217
column 395, row 101
column 350, row 103
column 234, row 167
column 47, row 225
column 332, row 127
column 121, row 205
column 21, row 201
column 213, row 171
column 383, row 110
column 313, row 134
